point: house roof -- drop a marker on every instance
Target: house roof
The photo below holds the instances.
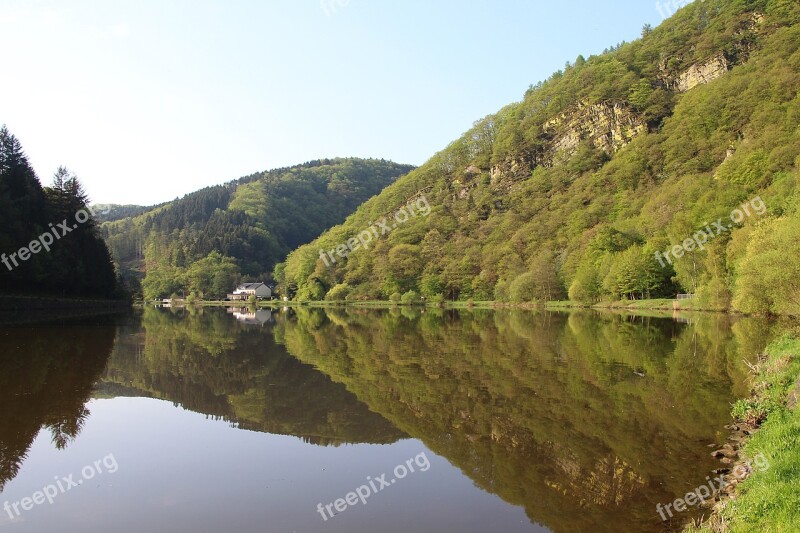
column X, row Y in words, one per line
column 249, row 286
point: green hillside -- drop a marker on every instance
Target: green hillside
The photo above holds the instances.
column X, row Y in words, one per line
column 683, row 143
column 208, row 240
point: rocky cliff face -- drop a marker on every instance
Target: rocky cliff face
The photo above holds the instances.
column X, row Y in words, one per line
column 610, row 126
column 606, row 126
column 702, row 73
column 715, row 66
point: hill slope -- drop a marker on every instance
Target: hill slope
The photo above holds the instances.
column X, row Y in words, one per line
column 576, row 188
column 207, row 240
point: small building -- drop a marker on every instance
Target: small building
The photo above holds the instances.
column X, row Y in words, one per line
column 246, row 290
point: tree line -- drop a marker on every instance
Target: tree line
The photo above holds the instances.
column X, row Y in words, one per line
column 210, row 240
column 78, row 262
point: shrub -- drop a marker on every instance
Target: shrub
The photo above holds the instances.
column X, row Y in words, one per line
column 522, row 289
column 338, row 292
column 409, row 298
column 501, row 291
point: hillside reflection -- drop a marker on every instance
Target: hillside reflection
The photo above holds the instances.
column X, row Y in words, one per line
column 585, row 420
column 210, row 362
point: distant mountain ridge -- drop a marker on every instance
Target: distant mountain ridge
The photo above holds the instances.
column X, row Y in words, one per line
column 113, row 212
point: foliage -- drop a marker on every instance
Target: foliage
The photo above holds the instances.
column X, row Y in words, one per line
column 338, row 292
column 768, row 278
column 410, row 298
column 523, row 289
column 512, row 196
column 252, row 223
column 78, row 263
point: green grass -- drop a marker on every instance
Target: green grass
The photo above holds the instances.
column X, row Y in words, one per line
column 769, row 500
column 376, row 304
column 662, row 304
column 654, row 304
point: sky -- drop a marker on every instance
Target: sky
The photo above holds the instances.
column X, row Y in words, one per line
column 148, row 100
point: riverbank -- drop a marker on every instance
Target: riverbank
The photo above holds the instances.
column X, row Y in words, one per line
column 632, row 305
column 769, row 499
column 663, row 304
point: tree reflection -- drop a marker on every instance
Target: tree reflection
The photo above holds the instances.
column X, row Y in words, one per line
column 47, row 373
column 209, row 362
column 585, row 419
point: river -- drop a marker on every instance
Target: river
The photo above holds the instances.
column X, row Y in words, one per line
column 351, row 420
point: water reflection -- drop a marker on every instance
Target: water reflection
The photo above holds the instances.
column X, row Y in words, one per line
column 47, row 372
column 586, row 420
column 234, row 370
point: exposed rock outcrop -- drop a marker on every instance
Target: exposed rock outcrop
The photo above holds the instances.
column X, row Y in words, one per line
column 703, row 72
column 607, row 126
column 715, row 66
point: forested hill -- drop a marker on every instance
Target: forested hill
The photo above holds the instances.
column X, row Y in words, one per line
column 112, row 212
column 209, row 240
column 573, row 190
column 49, row 243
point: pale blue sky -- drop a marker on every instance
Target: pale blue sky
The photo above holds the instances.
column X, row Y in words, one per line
column 151, row 99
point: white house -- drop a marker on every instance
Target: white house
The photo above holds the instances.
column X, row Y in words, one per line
column 244, row 291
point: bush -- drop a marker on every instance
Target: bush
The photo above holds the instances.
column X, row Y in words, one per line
column 522, row 289
column 409, row 298
column 769, row 274
column 501, row 291
column 194, row 298
column 338, row 292
column 395, row 298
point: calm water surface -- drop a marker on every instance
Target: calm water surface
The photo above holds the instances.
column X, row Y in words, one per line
column 208, row 421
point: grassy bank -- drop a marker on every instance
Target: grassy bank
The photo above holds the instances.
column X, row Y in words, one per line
column 654, row 305
column 769, row 500
column 366, row 304
column 664, row 304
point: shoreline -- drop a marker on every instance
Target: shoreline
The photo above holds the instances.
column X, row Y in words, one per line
column 661, row 305
column 766, row 423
